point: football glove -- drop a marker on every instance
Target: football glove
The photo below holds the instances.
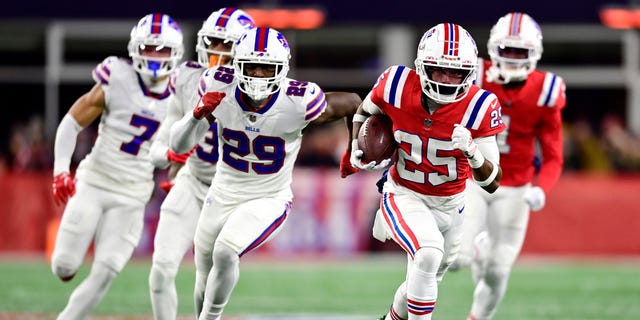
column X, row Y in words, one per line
column 356, row 159
column 64, row 187
column 166, row 186
column 535, row 197
column 461, row 139
column 178, row 157
column 346, row 169
column 209, row 102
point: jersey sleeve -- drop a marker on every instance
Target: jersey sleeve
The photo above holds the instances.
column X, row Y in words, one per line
column 388, row 88
column 161, row 143
column 553, row 92
column 483, row 116
column 315, row 102
column 102, row 72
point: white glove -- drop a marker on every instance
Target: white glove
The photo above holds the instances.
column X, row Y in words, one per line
column 356, row 159
column 535, row 197
column 461, row 139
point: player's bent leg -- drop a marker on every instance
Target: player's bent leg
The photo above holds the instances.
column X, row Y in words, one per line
column 398, row 310
column 212, row 218
column 164, row 296
column 506, row 235
column 76, row 231
column 422, row 284
column 221, row 281
column 89, row 293
column 474, row 213
column 174, row 236
column 481, row 247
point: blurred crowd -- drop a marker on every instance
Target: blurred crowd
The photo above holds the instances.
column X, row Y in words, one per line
column 602, row 147
column 590, row 147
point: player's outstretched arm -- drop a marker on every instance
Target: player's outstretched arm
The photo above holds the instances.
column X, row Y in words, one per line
column 342, row 105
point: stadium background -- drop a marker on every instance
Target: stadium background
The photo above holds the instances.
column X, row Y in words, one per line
column 592, row 211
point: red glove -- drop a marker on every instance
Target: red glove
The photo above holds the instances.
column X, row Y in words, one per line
column 208, row 103
column 166, row 186
column 63, row 188
column 178, row 158
column 346, row 169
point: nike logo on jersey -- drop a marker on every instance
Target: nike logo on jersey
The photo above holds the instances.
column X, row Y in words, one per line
column 494, row 104
column 461, row 209
column 313, row 90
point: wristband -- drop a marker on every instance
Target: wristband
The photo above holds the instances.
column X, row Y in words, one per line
column 477, row 160
column 492, row 176
column 359, row 117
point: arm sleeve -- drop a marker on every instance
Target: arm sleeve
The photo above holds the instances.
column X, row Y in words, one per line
column 369, row 106
column 550, row 139
column 186, row 133
column 489, row 148
column 65, row 144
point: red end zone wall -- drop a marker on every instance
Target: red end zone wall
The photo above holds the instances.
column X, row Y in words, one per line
column 585, row 215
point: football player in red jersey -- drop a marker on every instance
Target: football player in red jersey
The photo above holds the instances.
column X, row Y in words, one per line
column 532, row 100
column 446, row 131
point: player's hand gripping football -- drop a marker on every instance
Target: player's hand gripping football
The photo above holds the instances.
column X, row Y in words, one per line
column 207, row 104
column 356, row 159
column 64, row 187
column 461, row 139
column 535, row 197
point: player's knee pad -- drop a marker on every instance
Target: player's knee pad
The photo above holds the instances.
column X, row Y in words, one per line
column 428, row 259
column 496, row 275
column 162, row 275
column 224, row 257
column 64, row 266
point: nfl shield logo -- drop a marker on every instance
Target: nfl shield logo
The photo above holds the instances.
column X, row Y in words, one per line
column 428, row 122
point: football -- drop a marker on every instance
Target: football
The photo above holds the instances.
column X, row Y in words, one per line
column 375, row 139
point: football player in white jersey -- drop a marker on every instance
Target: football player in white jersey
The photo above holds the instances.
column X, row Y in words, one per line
column 260, row 114
column 181, row 208
column 115, row 180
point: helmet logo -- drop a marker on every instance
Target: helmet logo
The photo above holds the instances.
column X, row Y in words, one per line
column 246, row 22
column 282, row 40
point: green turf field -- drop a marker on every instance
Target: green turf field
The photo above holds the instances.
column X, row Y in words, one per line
column 353, row 287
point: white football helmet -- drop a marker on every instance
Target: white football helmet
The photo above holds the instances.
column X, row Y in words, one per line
column 514, row 31
column 261, row 46
column 161, row 31
column 447, row 46
column 226, row 24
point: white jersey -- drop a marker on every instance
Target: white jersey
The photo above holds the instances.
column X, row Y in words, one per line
column 119, row 160
column 258, row 148
column 186, row 86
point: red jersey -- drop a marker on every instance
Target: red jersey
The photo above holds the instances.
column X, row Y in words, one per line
column 426, row 161
column 530, row 111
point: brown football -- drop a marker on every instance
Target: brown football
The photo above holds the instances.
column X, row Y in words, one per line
column 375, row 139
